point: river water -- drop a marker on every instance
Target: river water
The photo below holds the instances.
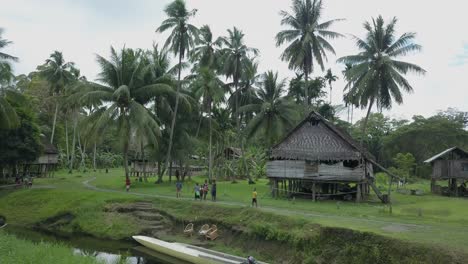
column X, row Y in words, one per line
column 107, row 251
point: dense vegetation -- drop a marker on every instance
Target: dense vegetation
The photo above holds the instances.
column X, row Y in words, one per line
column 199, row 94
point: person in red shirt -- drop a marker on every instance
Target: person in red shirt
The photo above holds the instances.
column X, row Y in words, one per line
column 127, row 184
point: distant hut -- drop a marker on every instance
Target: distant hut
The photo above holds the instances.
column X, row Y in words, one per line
column 321, row 161
column 45, row 164
column 450, row 165
column 231, row 153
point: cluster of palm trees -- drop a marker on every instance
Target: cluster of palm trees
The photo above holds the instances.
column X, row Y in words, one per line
column 223, row 100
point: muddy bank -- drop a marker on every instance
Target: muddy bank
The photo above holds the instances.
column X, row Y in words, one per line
column 291, row 242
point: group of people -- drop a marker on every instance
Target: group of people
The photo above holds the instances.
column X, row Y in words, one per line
column 26, row 181
column 201, row 191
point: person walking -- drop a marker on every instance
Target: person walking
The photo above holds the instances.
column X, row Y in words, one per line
column 127, row 184
column 178, row 189
column 213, row 191
column 254, row 197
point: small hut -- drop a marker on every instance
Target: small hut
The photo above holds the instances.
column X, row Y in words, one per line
column 321, row 161
column 45, row 164
column 450, row 165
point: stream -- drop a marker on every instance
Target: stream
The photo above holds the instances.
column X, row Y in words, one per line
column 106, row 251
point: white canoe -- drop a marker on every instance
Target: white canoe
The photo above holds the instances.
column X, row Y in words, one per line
column 187, row 252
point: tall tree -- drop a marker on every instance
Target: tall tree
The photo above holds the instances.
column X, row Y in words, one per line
column 376, row 76
column 205, row 54
column 209, row 88
column 58, row 73
column 120, row 93
column 330, row 77
column 236, row 57
column 307, row 37
column 8, row 117
column 274, row 113
column 181, row 39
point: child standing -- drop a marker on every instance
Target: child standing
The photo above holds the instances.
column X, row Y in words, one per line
column 127, row 184
column 254, row 197
column 205, row 189
column 213, row 191
column 196, row 189
column 178, row 188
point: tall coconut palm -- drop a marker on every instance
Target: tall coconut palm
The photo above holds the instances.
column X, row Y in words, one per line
column 236, row 57
column 376, row 76
column 181, row 39
column 330, row 77
column 209, row 88
column 274, row 113
column 58, row 74
column 307, row 37
column 204, row 54
column 121, row 89
column 8, row 117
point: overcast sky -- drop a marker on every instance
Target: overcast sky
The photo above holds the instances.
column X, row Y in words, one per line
column 81, row 29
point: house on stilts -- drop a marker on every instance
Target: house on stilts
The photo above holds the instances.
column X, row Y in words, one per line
column 319, row 160
column 450, row 165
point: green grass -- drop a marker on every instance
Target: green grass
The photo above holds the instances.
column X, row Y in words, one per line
column 442, row 223
column 14, row 250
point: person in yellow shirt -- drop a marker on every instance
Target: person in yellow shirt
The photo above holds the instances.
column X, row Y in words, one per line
column 254, row 197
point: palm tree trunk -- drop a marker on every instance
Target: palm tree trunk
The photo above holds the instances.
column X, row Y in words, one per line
column 210, row 161
column 364, row 125
column 54, row 123
column 66, row 141
column 94, row 156
column 199, row 124
column 144, row 160
column 72, row 159
column 125, row 153
column 330, row 94
column 174, row 116
column 306, row 93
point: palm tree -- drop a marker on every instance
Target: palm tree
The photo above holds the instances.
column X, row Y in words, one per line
column 376, row 76
column 330, row 77
column 58, row 74
column 307, row 37
column 204, row 54
column 236, row 57
column 274, row 113
column 181, row 39
column 8, row 117
column 120, row 93
column 210, row 88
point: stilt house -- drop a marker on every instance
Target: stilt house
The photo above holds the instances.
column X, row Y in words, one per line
column 45, row 164
column 319, row 160
column 450, row 165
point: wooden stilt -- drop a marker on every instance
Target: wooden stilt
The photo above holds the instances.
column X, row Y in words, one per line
column 358, row 193
column 313, row 191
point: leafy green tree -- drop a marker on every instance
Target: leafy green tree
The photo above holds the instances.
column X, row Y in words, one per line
column 376, row 76
column 8, row 117
column 209, row 88
column 120, row 94
column 274, row 113
column 59, row 74
column 181, row 39
column 330, row 78
column 307, row 37
column 22, row 143
column 405, row 164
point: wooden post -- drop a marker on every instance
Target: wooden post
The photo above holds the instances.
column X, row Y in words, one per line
column 313, row 191
column 276, row 188
column 358, row 193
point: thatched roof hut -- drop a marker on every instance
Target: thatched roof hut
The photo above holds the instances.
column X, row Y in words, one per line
column 316, row 154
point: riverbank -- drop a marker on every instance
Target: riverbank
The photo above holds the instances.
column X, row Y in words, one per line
column 70, row 208
column 15, row 250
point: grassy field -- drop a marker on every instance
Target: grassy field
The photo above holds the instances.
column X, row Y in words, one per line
column 434, row 220
column 14, row 250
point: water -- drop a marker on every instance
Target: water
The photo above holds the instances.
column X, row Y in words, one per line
column 107, row 251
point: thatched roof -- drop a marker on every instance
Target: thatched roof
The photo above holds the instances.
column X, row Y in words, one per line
column 49, row 148
column 315, row 138
column 460, row 152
